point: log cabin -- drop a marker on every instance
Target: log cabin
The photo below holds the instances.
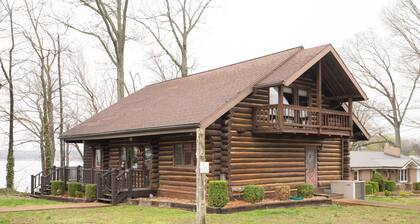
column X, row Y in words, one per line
column 283, row 118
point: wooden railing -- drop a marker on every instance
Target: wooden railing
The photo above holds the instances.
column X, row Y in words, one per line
column 300, row 119
column 118, row 183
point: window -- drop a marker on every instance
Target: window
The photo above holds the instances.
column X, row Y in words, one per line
column 274, row 95
column 403, row 175
column 134, row 159
column 356, row 175
column 123, row 157
column 184, row 154
column 287, row 96
column 303, row 99
column 98, row 159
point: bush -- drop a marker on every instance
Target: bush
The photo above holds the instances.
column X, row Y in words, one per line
column 73, row 187
column 90, row 191
column 253, row 193
column 305, row 190
column 375, row 186
column 404, row 194
column 390, row 185
column 57, row 187
column 387, row 193
column 378, row 178
column 282, row 192
column 416, row 186
column 79, row 194
column 218, row 193
column 369, row 189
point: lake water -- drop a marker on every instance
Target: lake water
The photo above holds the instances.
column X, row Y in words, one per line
column 23, row 171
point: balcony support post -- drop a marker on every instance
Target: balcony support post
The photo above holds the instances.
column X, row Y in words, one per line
column 350, row 110
column 319, row 95
column 280, row 109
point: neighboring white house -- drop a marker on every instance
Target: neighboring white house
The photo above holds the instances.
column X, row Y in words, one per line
column 390, row 163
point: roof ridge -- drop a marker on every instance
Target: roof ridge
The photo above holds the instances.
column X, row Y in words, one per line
column 228, row 65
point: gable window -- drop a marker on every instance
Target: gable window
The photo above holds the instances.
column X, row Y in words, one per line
column 403, row 175
column 184, row 154
column 303, row 98
column 274, row 95
column 287, row 96
column 98, row 158
column 356, row 175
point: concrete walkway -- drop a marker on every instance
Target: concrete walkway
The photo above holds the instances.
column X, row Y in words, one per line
column 376, row 204
column 49, row 207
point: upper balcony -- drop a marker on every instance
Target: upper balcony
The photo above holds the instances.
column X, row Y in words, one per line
column 300, row 119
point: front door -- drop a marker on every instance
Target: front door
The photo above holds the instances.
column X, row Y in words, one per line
column 311, row 170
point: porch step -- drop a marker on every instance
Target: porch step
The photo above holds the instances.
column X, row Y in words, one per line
column 330, row 195
column 105, row 200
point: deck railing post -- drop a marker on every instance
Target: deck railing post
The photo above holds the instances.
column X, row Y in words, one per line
column 78, row 173
column 98, row 185
column 32, row 184
column 114, row 187
column 130, row 182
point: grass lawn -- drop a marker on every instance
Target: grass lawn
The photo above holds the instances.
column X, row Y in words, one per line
column 13, row 199
column 137, row 214
column 396, row 199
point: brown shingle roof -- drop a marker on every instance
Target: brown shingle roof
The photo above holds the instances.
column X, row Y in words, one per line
column 194, row 100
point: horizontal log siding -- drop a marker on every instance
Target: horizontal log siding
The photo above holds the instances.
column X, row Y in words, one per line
column 87, row 156
column 271, row 159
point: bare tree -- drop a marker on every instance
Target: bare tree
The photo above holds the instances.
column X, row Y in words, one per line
column 44, row 47
column 110, row 32
column 7, row 68
column 378, row 68
column 170, row 27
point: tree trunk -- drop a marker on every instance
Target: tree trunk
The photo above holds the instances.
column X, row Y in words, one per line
column 120, row 78
column 10, row 157
column 397, row 134
column 60, row 93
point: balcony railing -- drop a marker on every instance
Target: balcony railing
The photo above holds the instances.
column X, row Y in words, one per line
column 300, row 119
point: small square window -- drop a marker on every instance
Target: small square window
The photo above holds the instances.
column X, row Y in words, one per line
column 184, row 154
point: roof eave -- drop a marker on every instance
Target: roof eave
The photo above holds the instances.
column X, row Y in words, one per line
column 131, row 133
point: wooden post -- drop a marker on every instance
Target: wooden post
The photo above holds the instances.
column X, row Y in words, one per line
column 350, row 110
column 280, row 109
column 32, row 184
column 319, row 94
column 201, row 179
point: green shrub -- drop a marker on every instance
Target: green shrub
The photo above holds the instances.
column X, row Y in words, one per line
column 90, row 191
column 305, row 190
column 387, row 193
column 253, row 193
column 79, row 194
column 375, row 186
column 378, row 178
column 57, row 187
column 416, row 186
column 73, row 187
column 218, row 193
column 369, row 189
column 282, row 192
column 390, row 185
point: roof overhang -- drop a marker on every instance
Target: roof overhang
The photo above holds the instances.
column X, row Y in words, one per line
column 186, row 128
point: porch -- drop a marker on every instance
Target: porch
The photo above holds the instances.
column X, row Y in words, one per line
column 112, row 185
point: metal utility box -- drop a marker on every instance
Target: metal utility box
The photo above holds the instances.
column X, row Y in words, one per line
column 349, row 188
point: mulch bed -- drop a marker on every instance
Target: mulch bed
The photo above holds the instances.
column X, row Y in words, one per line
column 231, row 207
column 64, row 199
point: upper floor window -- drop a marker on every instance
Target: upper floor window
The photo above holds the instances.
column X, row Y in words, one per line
column 303, row 97
column 184, row 154
column 287, row 96
column 274, row 95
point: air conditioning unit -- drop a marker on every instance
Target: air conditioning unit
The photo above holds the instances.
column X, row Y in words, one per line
column 350, row 189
